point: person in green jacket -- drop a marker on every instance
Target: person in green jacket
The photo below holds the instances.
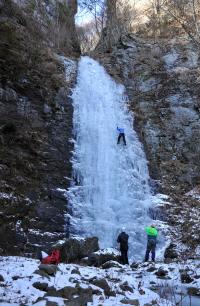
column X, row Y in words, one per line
column 152, row 234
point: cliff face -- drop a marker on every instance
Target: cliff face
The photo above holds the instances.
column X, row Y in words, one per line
column 35, row 120
column 52, row 19
column 162, row 82
column 162, row 85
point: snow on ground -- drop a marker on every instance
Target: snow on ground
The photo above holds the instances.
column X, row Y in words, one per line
column 142, row 282
column 170, row 59
column 175, row 61
column 108, row 251
column 7, row 196
column 70, row 67
column 194, row 193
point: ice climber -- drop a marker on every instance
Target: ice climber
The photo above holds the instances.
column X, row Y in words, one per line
column 152, row 234
column 123, row 241
column 121, row 135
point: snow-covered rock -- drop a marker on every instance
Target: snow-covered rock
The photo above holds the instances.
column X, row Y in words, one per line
column 75, row 248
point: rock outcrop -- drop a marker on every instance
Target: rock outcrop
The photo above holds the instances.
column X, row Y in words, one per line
column 74, row 249
column 35, row 121
column 162, row 84
column 162, row 80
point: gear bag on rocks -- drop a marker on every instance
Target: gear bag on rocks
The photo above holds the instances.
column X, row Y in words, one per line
column 52, row 259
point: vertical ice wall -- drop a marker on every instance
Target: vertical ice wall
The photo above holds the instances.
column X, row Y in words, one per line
column 111, row 181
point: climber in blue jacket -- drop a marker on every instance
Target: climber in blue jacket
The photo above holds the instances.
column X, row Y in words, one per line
column 121, row 135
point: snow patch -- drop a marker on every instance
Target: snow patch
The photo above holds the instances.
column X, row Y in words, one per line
column 148, row 85
column 192, row 59
column 194, row 193
column 170, row 59
column 184, row 115
column 7, row 196
column 70, row 68
column 20, row 290
column 180, row 100
column 108, row 251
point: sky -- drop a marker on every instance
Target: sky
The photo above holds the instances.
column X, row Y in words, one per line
column 85, row 17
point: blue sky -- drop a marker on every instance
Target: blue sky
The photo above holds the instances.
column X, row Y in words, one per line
column 83, row 17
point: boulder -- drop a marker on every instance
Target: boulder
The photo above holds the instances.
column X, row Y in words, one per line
column 46, row 302
column 151, row 269
column 125, row 287
column 103, row 284
column 161, row 273
column 111, row 264
column 67, row 292
column 15, row 277
column 42, row 273
column 193, row 291
column 75, row 271
column 76, row 295
column 170, row 252
column 186, row 278
column 134, row 302
column 51, row 291
column 40, row 286
column 74, row 249
column 154, row 302
column 49, row 269
column 134, row 265
column 102, row 256
column 51, row 303
column 1, row 278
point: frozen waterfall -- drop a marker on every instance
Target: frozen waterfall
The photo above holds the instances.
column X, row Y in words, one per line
column 110, row 187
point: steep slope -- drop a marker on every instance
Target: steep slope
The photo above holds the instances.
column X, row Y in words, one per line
column 162, row 80
column 35, row 121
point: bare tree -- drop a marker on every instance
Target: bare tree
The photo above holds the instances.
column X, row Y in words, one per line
column 169, row 18
column 126, row 15
column 112, row 18
column 118, row 20
column 87, row 36
column 186, row 14
column 111, row 24
column 96, row 8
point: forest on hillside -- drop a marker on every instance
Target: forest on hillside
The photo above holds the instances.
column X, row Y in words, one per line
column 147, row 18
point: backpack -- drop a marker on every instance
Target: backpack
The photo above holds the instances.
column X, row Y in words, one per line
column 52, row 259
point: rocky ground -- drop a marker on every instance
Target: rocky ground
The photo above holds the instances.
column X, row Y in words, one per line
column 25, row 281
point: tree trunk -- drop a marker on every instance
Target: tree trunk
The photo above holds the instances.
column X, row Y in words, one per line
column 112, row 24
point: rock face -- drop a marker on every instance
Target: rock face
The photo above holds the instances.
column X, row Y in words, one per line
column 162, row 84
column 162, row 80
column 73, row 249
column 55, row 21
column 35, row 121
column 101, row 257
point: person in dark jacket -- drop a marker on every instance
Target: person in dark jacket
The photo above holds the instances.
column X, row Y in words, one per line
column 121, row 135
column 152, row 234
column 123, row 241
